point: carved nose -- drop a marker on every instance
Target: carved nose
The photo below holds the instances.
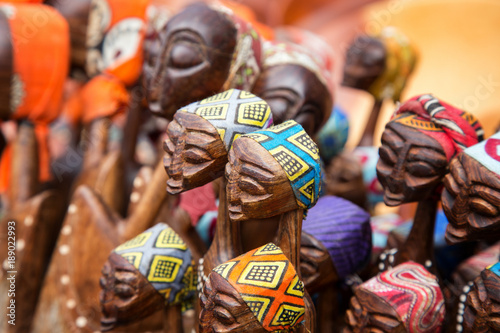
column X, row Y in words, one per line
column 395, row 184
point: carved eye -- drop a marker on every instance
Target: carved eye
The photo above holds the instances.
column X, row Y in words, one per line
column 168, row 146
column 185, row 55
column 387, row 155
column 421, row 169
column 196, row 155
column 251, row 186
column 483, row 207
column 224, row 316
column 227, row 170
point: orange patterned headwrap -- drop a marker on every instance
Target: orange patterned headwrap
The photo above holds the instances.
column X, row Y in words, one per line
column 40, row 41
column 269, row 285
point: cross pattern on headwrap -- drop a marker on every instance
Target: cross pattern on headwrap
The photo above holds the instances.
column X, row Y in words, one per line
column 435, row 118
column 298, row 155
column 269, row 285
column 161, row 256
column 487, row 153
column 233, row 113
column 413, row 293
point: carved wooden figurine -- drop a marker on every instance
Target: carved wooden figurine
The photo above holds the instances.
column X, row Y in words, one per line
column 381, row 65
column 259, row 291
column 152, row 270
column 203, row 49
column 479, row 305
column 296, row 84
column 31, row 96
column 417, row 145
column 336, row 242
column 406, row 298
column 471, row 199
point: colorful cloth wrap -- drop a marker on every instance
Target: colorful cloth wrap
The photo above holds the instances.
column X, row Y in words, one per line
column 246, row 63
column 269, row 285
column 487, row 153
column 280, row 53
column 368, row 158
column 298, row 155
column 453, row 128
column 332, row 137
column 37, row 86
column 344, row 229
column 413, row 293
column 399, row 64
column 163, row 258
column 233, row 113
column 495, row 268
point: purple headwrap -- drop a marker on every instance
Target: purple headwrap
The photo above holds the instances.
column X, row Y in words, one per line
column 344, row 229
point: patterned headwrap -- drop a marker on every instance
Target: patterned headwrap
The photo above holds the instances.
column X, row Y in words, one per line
column 37, row 84
column 269, row 285
column 487, row 153
column 344, row 229
column 281, row 53
column 333, row 135
column 413, row 293
column 400, row 60
column 233, row 113
column 163, row 258
column 453, row 128
column 495, row 268
column 247, row 56
column 298, row 155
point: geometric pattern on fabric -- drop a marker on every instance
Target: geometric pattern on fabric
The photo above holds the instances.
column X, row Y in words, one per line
column 163, row 258
column 495, row 268
column 269, row 285
column 487, row 153
column 233, row 113
column 345, row 231
column 453, row 128
column 413, row 293
column 298, row 155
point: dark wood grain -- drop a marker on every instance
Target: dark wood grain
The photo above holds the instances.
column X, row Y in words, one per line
column 6, row 67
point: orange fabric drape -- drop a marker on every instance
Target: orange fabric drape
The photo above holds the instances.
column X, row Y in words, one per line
column 40, row 39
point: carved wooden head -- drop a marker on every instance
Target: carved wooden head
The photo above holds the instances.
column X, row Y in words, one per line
column 201, row 134
column 482, row 305
column 418, row 144
column 404, row 299
column 271, row 172
column 296, row 85
column 472, row 193
column 126, row 294
column 154, row 263
column 258, row 291
column 380, row 64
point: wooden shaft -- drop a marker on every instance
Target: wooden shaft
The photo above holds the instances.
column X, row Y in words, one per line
column 96, row 143
column 367, row 137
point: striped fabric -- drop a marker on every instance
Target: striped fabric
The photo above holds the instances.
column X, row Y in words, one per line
column 344, row 229
column 453, row 128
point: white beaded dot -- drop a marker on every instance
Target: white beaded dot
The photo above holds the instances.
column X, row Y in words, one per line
column 383, row 256
column 461, row 306
column 459, row 328
column 72, row 209
column 70, row 303
column 134, row 197
column 466, row 289
column 65, row 279
column 381, row 266
column 460, row 319
column 138, row 182
column 64, row 249
column 391, row 259
column 428, row 263
column 81, row 322
column 28, row 221
column 5, row 265
column 463, row 298
column 20, row 244
column 66, row 230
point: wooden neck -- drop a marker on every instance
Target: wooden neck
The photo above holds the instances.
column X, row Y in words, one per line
column 226, row 244
column 97, row 143
column 367, row 137
column 149, row 205
column 419, row 246
column 289, row 235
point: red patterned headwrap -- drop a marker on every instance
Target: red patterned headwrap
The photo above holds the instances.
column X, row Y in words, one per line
column 453, row 128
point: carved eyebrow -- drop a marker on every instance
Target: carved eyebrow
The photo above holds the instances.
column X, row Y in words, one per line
column 253, row 170
column 483, row 191
column 200, row 138
column 428, row 155
column 392, row 139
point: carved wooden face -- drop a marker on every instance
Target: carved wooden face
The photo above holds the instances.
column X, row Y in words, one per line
column 126, row 295
column 257, row 186
column 365, row 62
column 369, row 313
column 294, row 92
column 223, row 309
column 316, row 265
column 471, row 200
column 194, row 153
column 189, row 60
column 411, row 165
